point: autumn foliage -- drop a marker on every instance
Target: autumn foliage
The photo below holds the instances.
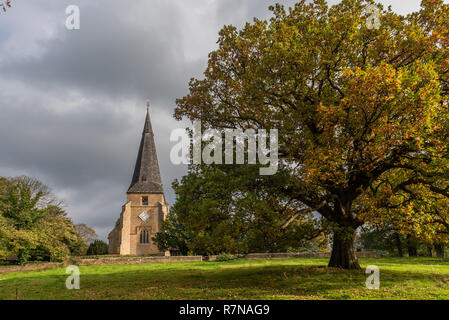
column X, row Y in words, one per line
column 354, row 106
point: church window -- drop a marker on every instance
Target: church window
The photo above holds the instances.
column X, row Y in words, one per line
column 144, row 236
column 144, row 201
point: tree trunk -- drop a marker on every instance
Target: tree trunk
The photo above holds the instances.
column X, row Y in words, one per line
column 412, row 252
column 343, row 253
column 429, row 250
column 397, row 240
column 412, row 247
column 439, row 249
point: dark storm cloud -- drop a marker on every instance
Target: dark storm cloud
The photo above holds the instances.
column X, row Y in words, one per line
column 78, row 127
column 72, row 102
column 112, row 53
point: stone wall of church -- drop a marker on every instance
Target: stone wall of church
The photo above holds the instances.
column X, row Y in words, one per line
column 125, row 239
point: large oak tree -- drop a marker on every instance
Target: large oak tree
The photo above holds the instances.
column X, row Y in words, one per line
column 351, row 103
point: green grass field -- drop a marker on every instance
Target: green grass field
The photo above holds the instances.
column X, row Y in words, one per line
column 416, row 278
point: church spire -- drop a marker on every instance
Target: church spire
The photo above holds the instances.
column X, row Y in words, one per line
column 146, row 178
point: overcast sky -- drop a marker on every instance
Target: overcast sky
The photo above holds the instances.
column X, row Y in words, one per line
column 72, row 103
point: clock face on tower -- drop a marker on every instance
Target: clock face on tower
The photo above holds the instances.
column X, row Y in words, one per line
column 144, row 216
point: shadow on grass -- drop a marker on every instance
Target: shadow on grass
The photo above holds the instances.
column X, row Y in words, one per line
column 414, row 261
column 241, row 279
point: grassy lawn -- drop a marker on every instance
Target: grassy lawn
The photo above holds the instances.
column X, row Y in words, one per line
column 416, row 278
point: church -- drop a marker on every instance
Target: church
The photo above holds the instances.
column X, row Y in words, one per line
column 145, row 207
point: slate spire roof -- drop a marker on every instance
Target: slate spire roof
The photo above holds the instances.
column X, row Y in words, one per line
column 146, row 178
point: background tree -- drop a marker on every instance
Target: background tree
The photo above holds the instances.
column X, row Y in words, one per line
column 417, row 203
column 98, row 247
column 383, row 238
column 225, row 209
column 33, row 224
column 387, row 239
column 440, row 249
column 86, row 233
column 174, row 235
column 351, row 104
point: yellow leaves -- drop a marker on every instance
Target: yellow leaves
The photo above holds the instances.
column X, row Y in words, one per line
column 344, row 100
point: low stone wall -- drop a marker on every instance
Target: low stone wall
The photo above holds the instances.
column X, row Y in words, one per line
column 31, row 267
column 286, row 255
column 100, row 261
column 364, row 254
column 135, row 260
column 368, row 254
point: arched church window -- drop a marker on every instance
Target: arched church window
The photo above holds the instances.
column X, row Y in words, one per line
column 144, row 236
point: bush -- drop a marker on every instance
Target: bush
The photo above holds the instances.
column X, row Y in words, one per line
column 97, row 248
column 226, row 257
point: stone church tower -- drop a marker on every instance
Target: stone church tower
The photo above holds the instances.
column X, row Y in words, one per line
column 145, row 208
